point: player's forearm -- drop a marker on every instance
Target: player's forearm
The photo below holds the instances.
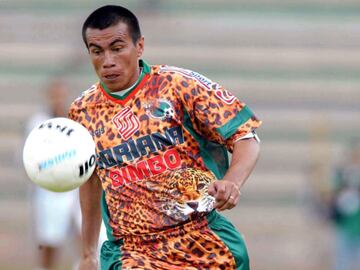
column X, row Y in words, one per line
column 90, row 195
column 244, row 157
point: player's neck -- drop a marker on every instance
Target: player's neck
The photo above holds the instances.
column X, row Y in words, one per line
column 144, row 69
column 138, row 79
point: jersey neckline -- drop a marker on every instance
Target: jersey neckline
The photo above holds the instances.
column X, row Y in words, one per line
column 134, row 89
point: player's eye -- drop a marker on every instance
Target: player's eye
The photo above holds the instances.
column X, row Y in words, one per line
column 95, row 51
column 117, row 49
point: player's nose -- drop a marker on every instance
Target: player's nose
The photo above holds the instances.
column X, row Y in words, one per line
column 109, row 60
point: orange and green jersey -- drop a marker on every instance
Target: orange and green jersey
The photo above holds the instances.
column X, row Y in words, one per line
column 159, row 147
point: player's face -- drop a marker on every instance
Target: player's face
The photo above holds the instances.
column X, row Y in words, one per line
column 114, row 55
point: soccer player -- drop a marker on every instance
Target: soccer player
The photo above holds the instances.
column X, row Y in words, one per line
column 162, row 135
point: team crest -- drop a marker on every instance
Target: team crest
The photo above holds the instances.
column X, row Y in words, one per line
column 160, row 109
column 126, row 123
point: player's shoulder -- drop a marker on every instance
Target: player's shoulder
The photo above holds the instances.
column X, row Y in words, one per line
column 184, row 76
column 86, row 100
column 87, row 97
column 172, row 71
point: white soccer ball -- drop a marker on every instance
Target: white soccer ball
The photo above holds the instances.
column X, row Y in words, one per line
column 59, row 155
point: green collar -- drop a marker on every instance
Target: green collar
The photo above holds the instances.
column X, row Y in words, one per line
column 145, row 70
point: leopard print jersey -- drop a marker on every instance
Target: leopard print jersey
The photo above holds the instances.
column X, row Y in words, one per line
column 148, row 145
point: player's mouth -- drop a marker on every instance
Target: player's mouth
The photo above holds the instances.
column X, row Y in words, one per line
column 111, row 77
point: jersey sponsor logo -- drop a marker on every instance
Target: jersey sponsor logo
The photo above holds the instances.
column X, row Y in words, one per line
column 190, row 74
column 222, row 94
column 225, row 96
column 119, row 158
column 158, row 164
column 160, row 109
column 143, row 146
column 126, row 123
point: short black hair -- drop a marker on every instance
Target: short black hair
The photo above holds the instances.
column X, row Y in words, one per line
column 111, row 15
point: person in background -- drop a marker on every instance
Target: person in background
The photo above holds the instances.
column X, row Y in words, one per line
column 345, row 211
column 54, row 214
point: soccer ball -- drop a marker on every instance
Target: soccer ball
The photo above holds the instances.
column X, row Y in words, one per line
column 59, row 155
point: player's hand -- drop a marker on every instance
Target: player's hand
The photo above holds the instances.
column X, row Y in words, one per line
column 89, row 263
column 226, row 194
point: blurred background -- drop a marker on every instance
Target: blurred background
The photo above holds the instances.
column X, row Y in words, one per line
column 295, row 63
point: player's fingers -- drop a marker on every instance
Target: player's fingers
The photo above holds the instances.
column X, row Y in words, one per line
column 212, row 188
column 222, row 198
column 219, row 204
column 221, row 192
column 229, row 203
column 227, row 195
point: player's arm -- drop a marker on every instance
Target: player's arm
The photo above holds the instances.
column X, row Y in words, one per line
column 220, row 117
column 244, row 157
column 90, row 195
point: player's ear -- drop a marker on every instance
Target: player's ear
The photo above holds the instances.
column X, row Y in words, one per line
column 140, row 46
